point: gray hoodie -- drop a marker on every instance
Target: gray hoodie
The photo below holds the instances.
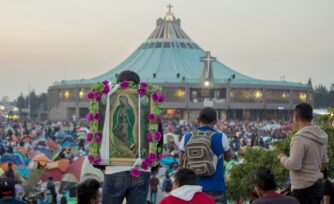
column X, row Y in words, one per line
column 308, row 151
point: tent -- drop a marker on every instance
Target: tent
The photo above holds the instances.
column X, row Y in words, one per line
column 82, row 170
column 26, row 138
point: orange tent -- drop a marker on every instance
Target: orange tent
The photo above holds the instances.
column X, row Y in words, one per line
column 41, row 159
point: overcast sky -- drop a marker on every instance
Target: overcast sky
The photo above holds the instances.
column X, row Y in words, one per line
column 42, row 41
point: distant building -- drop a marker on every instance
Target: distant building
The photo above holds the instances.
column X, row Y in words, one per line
column 192, row 79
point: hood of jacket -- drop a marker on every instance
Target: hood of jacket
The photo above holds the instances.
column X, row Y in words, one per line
column 186, row 192
column 314, row 133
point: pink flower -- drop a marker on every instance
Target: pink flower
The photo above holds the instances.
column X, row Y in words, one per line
column 98, row 137
column 90, row 158
column 124, row 84
column 159, row 119
column 144, row 165
column 143, row 84
column 151, row 117
column 157, row 136
column 97, row 116
column 89, row 137
column 89, row 117
column 160, row 157
column 105, row 83
column 152, row 157
column 135, row 172
column 155, row 96
column 97, row 161
column 142, row 91
column 149, row 137
column 97, row 96
column 161, row 98
column 148, row 161
column 90, row 95
column 106, row 90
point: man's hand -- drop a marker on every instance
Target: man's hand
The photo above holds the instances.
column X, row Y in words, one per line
column 280, row 156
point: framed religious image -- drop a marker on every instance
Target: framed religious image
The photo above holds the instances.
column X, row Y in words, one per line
column 127, row 126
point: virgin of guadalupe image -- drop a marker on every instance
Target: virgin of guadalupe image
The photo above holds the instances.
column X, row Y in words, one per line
column 123, row 122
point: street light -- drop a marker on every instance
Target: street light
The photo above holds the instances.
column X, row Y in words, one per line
column 206, row 83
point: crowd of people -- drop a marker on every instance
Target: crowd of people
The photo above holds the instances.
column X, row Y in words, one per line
column 196, row 173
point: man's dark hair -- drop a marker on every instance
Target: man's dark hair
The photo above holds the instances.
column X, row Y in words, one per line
column 50, row 177
column 10, row 164
column 87, row 190
column 325, row 173
column 7, row 187
column 21, row 144
column 207, row 115
column 128, row 75
column 185, row 176
column 304, row 112
column 265, row 179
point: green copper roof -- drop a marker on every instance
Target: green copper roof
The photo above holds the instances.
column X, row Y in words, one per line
column 170, row 56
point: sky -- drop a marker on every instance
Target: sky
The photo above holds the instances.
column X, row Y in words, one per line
column 43, row 41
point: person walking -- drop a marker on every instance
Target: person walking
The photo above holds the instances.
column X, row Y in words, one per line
column 308, row 151
column 204, row 150
column 154, row 185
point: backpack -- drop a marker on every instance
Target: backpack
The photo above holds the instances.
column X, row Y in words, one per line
column 199, row 155
column 168, row 185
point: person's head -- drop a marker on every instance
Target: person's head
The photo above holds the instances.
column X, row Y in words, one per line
column 88, row 192
column 123, row 100
column 21, row 144
column 303, row 115
column 7, row 187
column 51, row 178
column 264, row 181
column 207, row 116
column 128, row 75
column 10, row 165
column 185, row 176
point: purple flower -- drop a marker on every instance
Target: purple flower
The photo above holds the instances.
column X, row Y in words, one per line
column 155, row 96
column 143, row 84
column 89, row 137
column 142, row 91
column 90, row 95
column 97, row 160
column 90, row 158
column 161, row 98
column 124, row 84
column 97, row 96
column 151, row 117
column 149, row 137
column 135, row 172
column 97, row 116
column 148, row 161
column 105, row 82
column 106, row 90
column 89, row 117
column 98, row 137
column 144, row 165
column 159, row 119
column 157, row 136
column 152, row 157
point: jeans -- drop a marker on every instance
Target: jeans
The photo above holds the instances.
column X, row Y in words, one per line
column 122, row 185
column 310, row 195
column 154, row 196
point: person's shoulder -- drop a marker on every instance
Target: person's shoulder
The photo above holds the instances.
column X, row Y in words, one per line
column 168, row 199
column 204, row 198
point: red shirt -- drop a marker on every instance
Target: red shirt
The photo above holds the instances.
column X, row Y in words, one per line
column 199, row 198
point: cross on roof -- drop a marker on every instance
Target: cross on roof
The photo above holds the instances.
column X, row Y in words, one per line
column 169, row 6
column 207, row 72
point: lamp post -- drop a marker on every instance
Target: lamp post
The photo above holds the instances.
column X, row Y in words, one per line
column 228, row 94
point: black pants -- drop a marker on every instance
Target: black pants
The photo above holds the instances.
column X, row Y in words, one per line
column 310, row 195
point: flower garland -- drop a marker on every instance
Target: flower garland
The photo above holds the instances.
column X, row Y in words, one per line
column 98, row 95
